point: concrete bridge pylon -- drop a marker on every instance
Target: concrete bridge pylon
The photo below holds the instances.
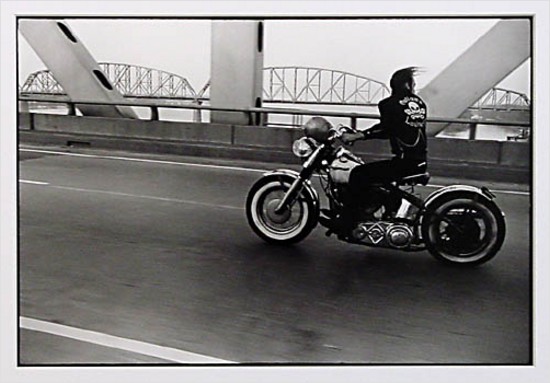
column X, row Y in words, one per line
column 480, row 68
column 73, row 67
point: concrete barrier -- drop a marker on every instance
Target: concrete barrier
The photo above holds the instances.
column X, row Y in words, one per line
column 129, row 128
column 516, row 154
column 26, row 121
column 490, row 160
column 264, row 136
column 454, row 150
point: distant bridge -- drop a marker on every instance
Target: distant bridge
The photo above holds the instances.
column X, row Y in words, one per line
column 130, row 80
column 289, row 85
column 503, row 99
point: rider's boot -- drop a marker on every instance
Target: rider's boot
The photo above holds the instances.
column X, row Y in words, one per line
column 338, row 224
column 345, row 222
column 327, row 218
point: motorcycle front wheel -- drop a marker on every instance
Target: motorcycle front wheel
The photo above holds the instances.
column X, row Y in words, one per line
column 463, row 231
column 290, row 226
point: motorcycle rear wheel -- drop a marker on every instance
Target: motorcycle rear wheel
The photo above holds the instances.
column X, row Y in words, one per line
column 463, row 231
column 292, row 225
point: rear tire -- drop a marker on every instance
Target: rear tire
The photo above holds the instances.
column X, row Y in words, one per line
column 463, row 229
column 289, row 227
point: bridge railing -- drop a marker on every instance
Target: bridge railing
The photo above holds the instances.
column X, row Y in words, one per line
column 260, row 116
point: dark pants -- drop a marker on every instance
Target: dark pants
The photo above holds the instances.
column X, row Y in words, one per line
column 381, row 172
column 364, row 190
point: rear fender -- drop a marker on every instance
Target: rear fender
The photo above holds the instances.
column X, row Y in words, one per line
column 460, row 191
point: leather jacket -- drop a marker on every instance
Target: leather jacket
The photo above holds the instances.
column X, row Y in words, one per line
column 403, row 122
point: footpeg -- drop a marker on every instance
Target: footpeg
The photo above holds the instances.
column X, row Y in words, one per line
column 327, row 213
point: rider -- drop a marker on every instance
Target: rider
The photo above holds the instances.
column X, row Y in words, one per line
column 403, row 122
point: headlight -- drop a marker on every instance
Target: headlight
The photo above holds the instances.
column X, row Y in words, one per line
column 302, row 147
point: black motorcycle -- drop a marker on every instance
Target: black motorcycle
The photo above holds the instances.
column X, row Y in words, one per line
column 457, row 224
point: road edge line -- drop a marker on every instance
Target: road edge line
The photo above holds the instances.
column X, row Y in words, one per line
column 111, row 341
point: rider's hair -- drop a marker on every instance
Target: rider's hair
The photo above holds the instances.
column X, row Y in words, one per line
column 402, row 77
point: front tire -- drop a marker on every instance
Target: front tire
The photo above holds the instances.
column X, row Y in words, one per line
column 463, row 230
column 291, row 226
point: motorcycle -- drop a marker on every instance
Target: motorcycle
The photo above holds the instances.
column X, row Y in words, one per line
column 458, row 224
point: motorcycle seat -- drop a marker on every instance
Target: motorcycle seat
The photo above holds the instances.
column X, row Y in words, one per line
column 414, row 179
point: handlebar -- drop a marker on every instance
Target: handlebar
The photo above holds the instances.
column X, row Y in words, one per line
column 341, row 129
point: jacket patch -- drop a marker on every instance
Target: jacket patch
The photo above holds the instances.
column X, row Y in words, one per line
column 415, row 111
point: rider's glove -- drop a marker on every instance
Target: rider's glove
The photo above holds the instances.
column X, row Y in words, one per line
column 349, row 138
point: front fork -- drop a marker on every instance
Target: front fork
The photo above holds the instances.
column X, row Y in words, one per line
column 298, row 184
column 290, row 196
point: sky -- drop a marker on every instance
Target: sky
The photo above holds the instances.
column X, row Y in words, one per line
column 374, row 48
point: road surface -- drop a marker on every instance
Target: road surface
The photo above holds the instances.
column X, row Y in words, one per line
column 128, row 258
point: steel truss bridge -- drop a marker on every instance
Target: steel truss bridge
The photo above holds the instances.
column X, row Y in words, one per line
column 289, row 85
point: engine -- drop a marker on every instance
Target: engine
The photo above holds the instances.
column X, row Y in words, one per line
column 384, row 234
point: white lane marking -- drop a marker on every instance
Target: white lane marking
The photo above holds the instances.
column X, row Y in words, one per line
column 225, row 167
column 164, row 199
column 33, row 182
column 515, row 192
column 161, row 352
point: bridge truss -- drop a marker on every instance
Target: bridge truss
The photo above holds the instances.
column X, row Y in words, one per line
column 41, row 82
column 297, row 85
column 498, row 99
column 289, row 85
column 129, row 80
column 138, row 81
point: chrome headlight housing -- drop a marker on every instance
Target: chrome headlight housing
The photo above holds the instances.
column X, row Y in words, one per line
column 303, row 147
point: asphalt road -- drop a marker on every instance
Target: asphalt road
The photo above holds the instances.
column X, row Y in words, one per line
column 147, row 249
